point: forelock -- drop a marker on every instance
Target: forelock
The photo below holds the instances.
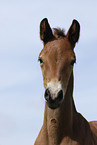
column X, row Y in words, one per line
column 59, row 32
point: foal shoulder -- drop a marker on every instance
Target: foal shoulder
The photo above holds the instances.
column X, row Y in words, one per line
column 93, row 126
column 69, row 141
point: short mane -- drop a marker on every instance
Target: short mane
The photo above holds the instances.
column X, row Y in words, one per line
column 58, row 32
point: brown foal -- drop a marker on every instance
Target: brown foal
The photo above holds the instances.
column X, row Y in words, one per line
column 62, row 125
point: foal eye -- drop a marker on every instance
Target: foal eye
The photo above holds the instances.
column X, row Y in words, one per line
column 40, row 60
column 73, row 61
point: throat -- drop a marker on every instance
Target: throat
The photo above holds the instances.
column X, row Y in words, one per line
column 53, row 131
column 58, row 124
column 54, row 126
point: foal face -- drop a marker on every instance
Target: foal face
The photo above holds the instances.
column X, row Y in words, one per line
column 56, row 60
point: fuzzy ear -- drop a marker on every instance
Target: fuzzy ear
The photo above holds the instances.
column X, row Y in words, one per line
column 74, row 32
column 46, row 33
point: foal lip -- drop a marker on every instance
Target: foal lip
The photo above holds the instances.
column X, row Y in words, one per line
column 53, row 105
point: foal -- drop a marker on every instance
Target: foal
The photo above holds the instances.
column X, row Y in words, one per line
column 62, row 125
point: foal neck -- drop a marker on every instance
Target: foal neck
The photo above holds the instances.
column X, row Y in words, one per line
column 58, row 122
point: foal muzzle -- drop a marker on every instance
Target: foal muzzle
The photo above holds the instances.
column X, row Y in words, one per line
column 55, row 101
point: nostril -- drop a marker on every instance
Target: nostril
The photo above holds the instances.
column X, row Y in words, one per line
column 47, row 94
column 60, row 95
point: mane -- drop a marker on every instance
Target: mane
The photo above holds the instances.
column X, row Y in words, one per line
column 58, row 32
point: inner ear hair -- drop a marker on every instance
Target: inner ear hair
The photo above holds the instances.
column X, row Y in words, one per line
column 74, row 32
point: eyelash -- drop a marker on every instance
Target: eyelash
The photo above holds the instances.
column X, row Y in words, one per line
column 72, row 62
column 40, row 60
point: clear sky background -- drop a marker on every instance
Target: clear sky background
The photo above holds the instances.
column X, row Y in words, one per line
column 21, row 85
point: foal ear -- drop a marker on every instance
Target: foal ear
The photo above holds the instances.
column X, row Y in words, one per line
column 74, row 32
column 46, row 33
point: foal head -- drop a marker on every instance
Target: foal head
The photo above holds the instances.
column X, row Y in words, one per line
column 56, row 60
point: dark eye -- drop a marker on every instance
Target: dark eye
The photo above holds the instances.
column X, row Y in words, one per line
column 40, row 60
column 73, row 61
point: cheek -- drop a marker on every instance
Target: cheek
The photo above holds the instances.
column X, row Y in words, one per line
column 45, row 76
column 65, row 75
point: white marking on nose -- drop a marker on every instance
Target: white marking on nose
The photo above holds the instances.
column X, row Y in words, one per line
column 54, row 87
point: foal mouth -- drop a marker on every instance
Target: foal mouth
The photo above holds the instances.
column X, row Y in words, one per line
column 53, row 103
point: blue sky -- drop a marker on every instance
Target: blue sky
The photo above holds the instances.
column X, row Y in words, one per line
column 21, row 85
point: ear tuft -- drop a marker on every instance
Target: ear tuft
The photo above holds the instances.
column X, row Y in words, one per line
column 74, row 32
column 45, row 31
